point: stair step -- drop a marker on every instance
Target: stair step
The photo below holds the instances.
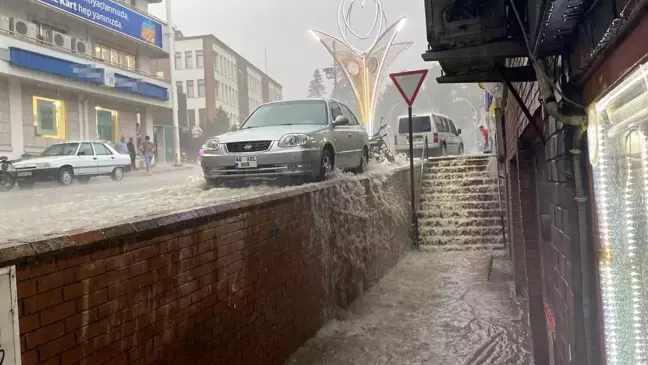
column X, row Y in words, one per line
column 461, row 222
column 459, row 214
column 459, row 176
column 460, row 161
column 463, row 240
column 450, row 189
column 455, row 169
column 451, row 231
column 495, row 247
column 460, row 205
column 456, row 197
column 458, row 183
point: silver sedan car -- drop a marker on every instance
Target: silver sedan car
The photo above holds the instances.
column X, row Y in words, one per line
column 300, row 138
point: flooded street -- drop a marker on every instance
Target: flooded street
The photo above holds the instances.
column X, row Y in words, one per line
column 432, row 308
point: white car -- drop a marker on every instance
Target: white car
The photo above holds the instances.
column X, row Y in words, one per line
column 65, row 162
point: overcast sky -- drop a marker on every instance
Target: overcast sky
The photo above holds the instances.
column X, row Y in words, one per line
column 249, row 26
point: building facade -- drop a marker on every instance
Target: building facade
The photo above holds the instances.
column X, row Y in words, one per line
column 77, row 69
column 572, row 125
column 212, row 76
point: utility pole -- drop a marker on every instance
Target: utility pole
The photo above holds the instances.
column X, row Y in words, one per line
column 173, row 90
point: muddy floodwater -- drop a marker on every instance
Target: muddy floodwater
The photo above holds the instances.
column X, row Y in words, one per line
column 432, row 308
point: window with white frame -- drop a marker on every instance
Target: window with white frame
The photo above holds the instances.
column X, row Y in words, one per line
column 189, row 59
column 200, row 59
column 201, row 88
column 191, row 92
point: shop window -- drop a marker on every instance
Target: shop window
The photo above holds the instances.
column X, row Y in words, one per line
column 618, row 150
column 201, row 88
column 107, row 125
column 49, row 117
column 114, row 56
column 188, row 59
column 191, row 91
column 200, row 60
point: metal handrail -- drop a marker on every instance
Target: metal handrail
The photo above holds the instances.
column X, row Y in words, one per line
column 424, row 156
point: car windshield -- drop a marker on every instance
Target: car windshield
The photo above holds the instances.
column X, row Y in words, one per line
column 290, row 113
column 420, row 125
column 63, row 149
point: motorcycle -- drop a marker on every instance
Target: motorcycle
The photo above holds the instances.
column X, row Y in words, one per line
column 379, row 149
column 7, row 174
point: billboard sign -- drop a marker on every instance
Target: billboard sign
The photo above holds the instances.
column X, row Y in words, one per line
column 114, row 16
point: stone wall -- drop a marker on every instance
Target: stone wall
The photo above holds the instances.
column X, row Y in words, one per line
column 245, row 282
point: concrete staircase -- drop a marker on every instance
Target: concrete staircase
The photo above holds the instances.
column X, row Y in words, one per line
column 460, row 207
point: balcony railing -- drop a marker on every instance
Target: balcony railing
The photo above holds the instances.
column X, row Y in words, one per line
column 53, row 46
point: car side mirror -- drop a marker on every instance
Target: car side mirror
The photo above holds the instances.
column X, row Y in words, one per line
column 235, row 127
column 459, row 131
column 340, row 120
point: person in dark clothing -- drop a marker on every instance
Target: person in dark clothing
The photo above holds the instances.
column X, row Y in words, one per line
column 132, row 153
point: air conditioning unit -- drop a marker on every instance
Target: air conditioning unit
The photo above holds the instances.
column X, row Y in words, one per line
column 25, row 28
column 82, row 47
column 62, row 40
column 5, row 23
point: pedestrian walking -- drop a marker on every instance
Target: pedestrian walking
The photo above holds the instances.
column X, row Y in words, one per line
column 148, row 149
column 132, row 152
column 121, row 146
column 486, row 142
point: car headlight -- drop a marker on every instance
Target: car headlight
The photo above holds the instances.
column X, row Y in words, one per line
column 42, row 165
column 212, row 145
column 294, row 140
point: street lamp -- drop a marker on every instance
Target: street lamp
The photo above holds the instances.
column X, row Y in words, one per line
column 172, row 88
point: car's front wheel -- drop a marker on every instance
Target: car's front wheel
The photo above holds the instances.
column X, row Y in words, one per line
column 117, row 174
column 65, row 177
column 461, row 149
column 326, row 165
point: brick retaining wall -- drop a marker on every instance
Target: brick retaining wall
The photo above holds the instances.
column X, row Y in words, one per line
column 240, row 283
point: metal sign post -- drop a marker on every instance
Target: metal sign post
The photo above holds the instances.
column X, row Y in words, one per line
column 408, row 84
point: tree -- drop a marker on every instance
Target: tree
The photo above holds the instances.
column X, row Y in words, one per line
column 316, row 88
column 219, row 125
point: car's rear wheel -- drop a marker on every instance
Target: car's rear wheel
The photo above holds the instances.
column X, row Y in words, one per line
column 326, row 165
column 117, row 174
column 364, row 160
column 83, row 179
column 25, row 184
column 65, row 177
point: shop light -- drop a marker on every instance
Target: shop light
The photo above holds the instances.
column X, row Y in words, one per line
column 607, row 275
column 632, row 80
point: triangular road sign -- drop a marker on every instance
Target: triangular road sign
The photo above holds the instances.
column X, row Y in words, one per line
column 409, row 83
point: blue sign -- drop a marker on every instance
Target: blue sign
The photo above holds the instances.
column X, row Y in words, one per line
column 82, row 72
column 114, row 16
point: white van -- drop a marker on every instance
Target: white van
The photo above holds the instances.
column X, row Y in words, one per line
column 443, row 137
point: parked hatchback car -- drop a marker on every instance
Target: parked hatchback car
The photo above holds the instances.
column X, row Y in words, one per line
column 443, row 137
column 64, row 162
column 299, row 138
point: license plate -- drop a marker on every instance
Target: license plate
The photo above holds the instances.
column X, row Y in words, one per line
column 25, row 173
column 245, row 162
